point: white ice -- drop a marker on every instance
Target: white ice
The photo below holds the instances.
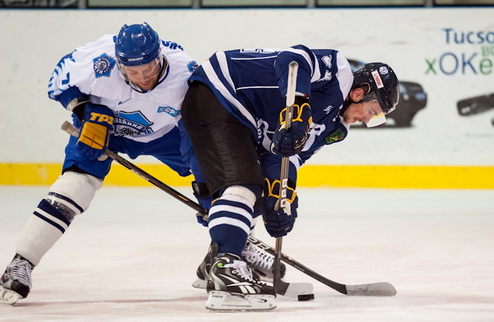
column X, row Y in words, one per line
column 132, row 257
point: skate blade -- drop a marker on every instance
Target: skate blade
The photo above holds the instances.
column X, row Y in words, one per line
column 224, row 301
column 8, row 297
column 199, row 283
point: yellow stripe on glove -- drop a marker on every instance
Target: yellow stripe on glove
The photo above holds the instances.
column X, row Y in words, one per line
column 94, row 135
column 297, row 114
column 273, row 190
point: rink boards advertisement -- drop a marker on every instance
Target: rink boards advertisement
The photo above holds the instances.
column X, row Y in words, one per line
column 440, row 136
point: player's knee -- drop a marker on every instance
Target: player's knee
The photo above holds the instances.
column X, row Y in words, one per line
column 73, row 192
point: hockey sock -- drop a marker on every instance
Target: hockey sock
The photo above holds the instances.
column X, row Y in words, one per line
column 230, row 219
column 42, row 231
column 69, row 196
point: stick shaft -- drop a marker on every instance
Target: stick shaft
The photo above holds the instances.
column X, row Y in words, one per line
column 285, row 164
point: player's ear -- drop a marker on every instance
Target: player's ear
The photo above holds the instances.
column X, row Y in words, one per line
column 357, row 94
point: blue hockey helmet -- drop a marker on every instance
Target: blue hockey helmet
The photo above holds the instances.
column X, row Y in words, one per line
column 383, row 85
column 137, row 44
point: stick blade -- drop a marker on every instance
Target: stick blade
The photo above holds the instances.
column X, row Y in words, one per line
column 295, row 290
column 373, row 289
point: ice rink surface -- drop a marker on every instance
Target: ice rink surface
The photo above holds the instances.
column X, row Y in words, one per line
column 132, row 257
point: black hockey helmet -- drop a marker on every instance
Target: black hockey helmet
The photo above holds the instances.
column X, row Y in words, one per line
column 382, row 82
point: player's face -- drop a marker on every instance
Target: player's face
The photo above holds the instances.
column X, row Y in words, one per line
column 362, row 112
column 144, row 76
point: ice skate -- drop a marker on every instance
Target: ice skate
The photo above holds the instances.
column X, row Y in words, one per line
column 16, row 281
column 203, row 272
column 258, row 260
column 232, row 287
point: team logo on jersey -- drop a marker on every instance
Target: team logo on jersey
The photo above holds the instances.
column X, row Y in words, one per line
column 336, row 136
column 169, row 110
column 103, row 65
column 192, row 66
column 131, row 123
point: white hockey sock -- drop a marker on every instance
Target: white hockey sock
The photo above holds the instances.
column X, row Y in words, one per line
column 39, row 235
column 69, row 196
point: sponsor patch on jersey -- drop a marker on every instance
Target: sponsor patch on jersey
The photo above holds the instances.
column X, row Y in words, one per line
column 103, row 65
column 336, row 136
column 169, row 110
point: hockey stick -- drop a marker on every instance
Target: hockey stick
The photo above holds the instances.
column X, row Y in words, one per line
column 285, row 164
column 301, row 291
column 372, row 289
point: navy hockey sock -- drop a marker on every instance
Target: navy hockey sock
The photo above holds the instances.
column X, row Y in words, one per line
column 230, row 220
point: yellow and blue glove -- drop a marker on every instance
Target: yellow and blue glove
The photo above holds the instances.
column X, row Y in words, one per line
column 95, row 133
column 290, row 142
column 278, row 223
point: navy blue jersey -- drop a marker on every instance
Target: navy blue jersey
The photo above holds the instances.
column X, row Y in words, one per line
column 252, row 84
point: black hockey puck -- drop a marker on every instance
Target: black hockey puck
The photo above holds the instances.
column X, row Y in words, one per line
column 305, row 297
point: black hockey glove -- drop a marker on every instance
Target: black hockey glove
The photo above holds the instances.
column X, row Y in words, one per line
column 290, row 142
column 278, row 223
column 95, row 133
column 201, row 192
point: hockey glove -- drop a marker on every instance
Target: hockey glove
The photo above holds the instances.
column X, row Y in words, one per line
column 289, row 142
column 201, row 192
column 278, row 223
column 95, row 133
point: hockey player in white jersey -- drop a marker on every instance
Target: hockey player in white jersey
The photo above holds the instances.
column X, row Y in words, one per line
column 125, row 92
column 233, row 112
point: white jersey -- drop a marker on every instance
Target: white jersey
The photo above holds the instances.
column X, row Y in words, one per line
column 142, row 117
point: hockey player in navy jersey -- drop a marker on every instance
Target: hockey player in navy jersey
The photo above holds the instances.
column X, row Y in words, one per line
column 233, row 112
column 125, row 92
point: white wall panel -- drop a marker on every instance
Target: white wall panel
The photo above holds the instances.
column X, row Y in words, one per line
column 410, row 40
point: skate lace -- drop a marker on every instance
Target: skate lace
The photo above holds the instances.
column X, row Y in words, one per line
column 21, row 271
column 258, row 258
column 241, row 268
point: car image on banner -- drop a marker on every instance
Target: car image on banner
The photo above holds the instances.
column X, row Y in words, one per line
column 412, row 99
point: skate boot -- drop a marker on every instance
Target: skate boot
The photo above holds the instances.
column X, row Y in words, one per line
column 259, row 261
column 16, row 281
column 203, row 272
column 232, row 287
